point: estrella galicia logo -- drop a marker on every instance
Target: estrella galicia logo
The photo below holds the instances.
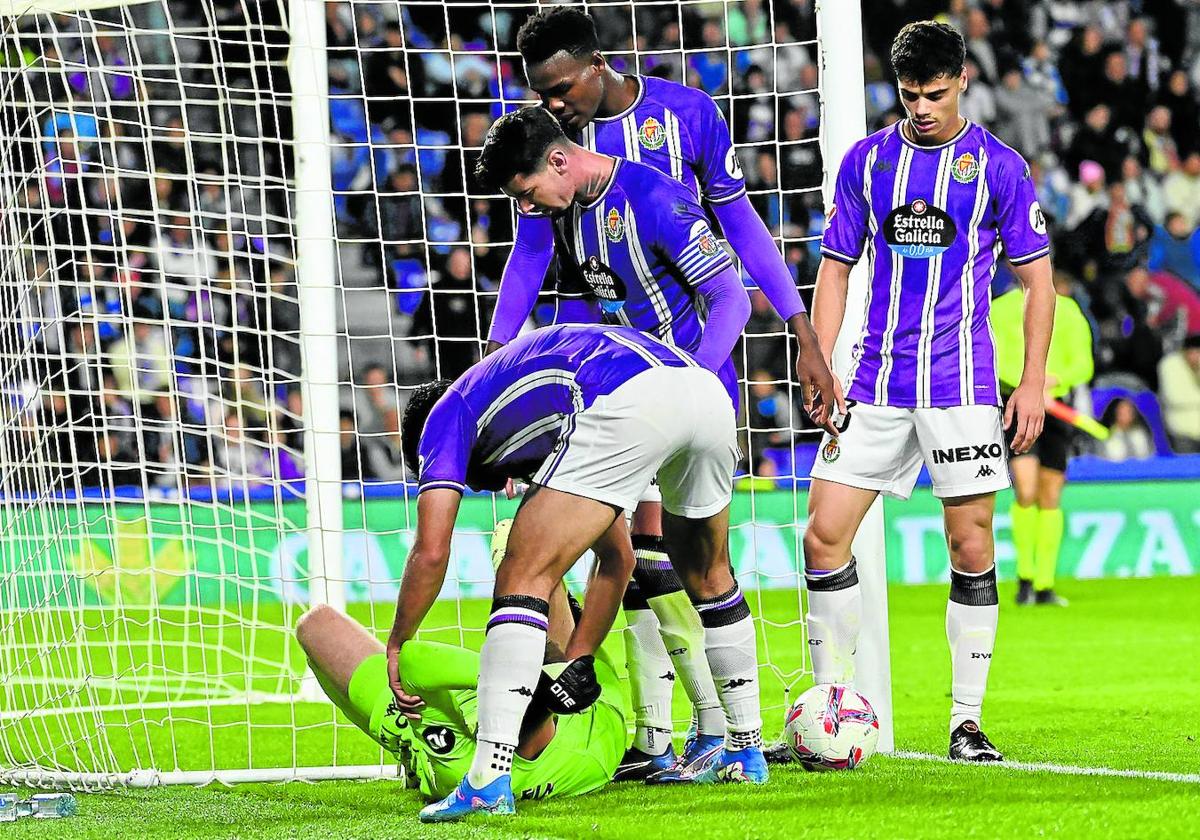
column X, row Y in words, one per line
column 608, row 288
column 439, row 739
column 919, row 230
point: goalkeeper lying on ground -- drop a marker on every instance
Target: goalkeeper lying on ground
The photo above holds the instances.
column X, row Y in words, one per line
column 557, row 756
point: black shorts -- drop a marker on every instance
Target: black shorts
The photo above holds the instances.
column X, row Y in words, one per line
column 1053, row 446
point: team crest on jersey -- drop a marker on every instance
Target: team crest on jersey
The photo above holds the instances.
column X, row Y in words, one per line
column 614, row 226
column 965, row 168
column 831, row 451
column 918, row 230
column 652, row 135
column 708, row 244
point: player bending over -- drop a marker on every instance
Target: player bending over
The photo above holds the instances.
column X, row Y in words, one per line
column 932, row 198
column 587, row 414
column 680, row 132
column 556, row 756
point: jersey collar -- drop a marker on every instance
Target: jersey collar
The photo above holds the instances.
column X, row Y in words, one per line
column 962, row 133
column 612, row 179
column 637, row 100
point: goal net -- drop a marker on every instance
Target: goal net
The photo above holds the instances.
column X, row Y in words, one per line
column 234, row 234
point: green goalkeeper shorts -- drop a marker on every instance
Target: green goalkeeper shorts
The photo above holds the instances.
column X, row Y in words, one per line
column 437, row 749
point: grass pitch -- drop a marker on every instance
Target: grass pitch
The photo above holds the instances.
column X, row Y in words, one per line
column 1109, row 682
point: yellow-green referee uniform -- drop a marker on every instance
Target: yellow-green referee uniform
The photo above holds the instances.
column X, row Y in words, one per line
column 1037, row 533
column 581, row 757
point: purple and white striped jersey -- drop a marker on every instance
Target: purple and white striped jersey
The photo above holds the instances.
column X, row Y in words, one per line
column 503, row 417
column 679, row 131
column 642, row 249
column 933, row 221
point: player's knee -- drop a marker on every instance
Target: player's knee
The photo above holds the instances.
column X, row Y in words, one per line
column 821, row 551
column 314, row 624
column 972, row 551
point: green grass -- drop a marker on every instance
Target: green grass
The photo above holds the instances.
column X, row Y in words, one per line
column 1109, row 682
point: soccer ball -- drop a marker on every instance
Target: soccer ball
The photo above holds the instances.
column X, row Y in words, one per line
column 831, row 727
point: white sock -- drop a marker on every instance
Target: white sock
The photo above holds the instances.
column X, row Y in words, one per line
column 509, row 667
column 972, row 614
column 683, row 634
column 833, row 619
column 651, row 680
column 729, row 644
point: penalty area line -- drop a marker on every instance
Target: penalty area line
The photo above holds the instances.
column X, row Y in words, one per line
column 1061, row 769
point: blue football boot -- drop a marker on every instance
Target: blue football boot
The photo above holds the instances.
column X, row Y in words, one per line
column 698, row 753
column 492, row 799
column 747, row 766
column 636, row 765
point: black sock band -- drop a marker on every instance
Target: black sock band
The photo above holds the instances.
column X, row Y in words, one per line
column 974, row 590
column 653, row 570
column 727, row 608
column 519, row 609
column 633, row 598
column 832, row 582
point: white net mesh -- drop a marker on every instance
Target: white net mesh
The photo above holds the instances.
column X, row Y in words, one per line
column 152, row 536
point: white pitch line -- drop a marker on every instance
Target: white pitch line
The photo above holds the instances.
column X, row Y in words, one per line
column 1062, row 769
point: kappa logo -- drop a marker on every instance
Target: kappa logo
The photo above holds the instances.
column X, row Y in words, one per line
column 882, row 165
column 614, row 226
column 669, row 676
column 523, row 691
column 985, row 472
column 737, row 683
column 965, row 168
column 652, row 135
column 831, row 451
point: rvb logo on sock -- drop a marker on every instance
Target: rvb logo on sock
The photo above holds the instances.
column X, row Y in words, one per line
column 977, row 655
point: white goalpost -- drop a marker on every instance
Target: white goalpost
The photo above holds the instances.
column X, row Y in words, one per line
column 227, row 254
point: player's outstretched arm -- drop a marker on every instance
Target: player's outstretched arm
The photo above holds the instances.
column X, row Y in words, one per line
column 424, row 572
column 755, row 247
column 522, row 279
column 829, row 308
column 1027, row 405
column 606, row 588
column 728, row 310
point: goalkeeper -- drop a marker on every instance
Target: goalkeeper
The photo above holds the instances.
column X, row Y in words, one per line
column 556, row 756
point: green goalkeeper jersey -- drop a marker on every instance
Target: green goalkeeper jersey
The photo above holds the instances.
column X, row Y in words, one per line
column 581, row 757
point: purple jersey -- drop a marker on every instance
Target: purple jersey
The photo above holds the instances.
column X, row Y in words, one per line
column 679, row 131
column 504, row 416
column 933, row 221
column 641, row 249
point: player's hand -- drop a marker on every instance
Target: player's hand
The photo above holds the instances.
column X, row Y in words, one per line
column 1025, row 414
column 568, row 689
column 410, row 705
column 820, row 389
column 514, row 488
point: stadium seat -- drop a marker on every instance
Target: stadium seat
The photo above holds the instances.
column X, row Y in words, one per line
column 1147, row 405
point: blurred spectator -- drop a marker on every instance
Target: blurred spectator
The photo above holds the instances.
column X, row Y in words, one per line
column 384, row 453
column 1143, row 190
column 1175, row 247
column 141, row 363
column 1129, row 439
column 1180, row 99
column 760, row 479
column 1096, row 141
column 980, row 46
column 1179, row 382
column 375, row 399
column 385, row 80
column 1082, row 65
column 1125, row 97
column 1182, row 189
column 352, row 467
column 1022, row 114
column 1162, row 154
column 448, row 317
column 1042, row 74
column 769, row 413
column 1142, row 55
column 977, row 103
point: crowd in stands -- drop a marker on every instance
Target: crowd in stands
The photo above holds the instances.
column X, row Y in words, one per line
column 187, row 360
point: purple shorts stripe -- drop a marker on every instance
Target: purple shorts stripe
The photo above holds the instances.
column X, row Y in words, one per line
column 517, row 618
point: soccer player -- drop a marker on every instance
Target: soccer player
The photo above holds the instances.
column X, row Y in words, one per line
column 1040, row 474
column 587, row 414
column 681, row 132
column 557, row 756
column 640, row 243
column 932, row 199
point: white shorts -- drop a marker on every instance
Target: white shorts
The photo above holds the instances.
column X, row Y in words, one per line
column 883, row 449
column 676, row 423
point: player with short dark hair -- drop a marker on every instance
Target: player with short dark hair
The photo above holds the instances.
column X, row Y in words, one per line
column 588, row 415
column 681, row 132
column 931, row 202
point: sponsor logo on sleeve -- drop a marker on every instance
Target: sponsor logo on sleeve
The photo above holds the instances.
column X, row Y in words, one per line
column 652, row 135
column 965, row 168
column 733, row 167
column 919, row 230
column 614, row 226
column 1037, row 219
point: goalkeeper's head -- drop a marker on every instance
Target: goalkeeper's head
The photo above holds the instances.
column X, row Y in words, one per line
column 415, row 414
column 563, row 63
column 527, row 156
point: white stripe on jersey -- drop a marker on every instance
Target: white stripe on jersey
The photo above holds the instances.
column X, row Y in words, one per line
column 899, row 189
column 872, row 228
column 641, row 351
column 674, row 144
column 588, row 137
column 923, row 393
column 966, row 350
column 523, row 436
column 549, row 376
column 653, row 291
column 629, row 127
